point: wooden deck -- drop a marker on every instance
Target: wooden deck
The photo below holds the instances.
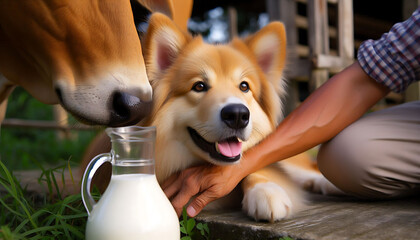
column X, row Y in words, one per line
column 326, row 218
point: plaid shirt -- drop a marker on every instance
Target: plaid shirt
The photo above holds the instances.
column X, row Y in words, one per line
column 394, row 59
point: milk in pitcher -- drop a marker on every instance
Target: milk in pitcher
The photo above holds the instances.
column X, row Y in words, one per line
column 133, row 207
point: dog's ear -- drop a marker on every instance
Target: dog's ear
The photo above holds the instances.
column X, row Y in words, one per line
column 269, row 47
column 163, row 43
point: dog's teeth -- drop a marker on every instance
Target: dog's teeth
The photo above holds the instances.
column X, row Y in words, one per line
column 217, row 147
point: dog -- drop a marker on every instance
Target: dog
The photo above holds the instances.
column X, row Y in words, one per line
column 85, row 55
column 213, row 102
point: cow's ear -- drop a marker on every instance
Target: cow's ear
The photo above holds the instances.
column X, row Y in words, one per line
column 178, row 10
column 163, row 43
column 163, row 6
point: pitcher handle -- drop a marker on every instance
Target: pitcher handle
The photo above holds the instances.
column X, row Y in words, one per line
column 90, row 171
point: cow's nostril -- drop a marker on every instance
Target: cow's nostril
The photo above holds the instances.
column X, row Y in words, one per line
column 121, row 104
column 127, row 109
column 59, row 94
column 235, row 116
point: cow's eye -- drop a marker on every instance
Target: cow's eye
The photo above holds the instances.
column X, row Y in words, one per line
column 244, row 86
column 199, row 87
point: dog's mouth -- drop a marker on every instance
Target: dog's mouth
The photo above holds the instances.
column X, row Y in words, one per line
column 228, row 150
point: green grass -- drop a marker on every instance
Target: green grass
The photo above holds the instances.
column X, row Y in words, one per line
column 52, row 216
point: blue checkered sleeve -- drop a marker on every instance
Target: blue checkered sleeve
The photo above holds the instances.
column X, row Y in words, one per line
column 394, row 59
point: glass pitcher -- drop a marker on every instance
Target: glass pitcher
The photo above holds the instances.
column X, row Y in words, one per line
column 133, row 206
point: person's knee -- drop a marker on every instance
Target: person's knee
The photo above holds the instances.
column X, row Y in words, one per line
column 377, row 156
column 348, row 161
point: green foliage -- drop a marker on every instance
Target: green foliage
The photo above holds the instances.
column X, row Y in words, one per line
column 286, row 238
column 26, row 216
column 19, row 147
column 23, row 106
column 190, row 230
column 50, row 217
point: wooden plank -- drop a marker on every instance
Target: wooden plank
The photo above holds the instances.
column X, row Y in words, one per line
column 335, row 63
column 285, row 11
column 302, row 22
column 233, row 22
column 318, row 39
column 61, row 119
column 6, row 88
column 318, row 27
column 298, row 68
column 3, row 107
column 345, row 29
column 19, row 123
column 326, row 218
column 305, row 1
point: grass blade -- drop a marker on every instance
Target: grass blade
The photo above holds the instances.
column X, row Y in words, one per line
column 15, row 192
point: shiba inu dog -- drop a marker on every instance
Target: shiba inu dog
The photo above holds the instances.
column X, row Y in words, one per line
column 213, row 102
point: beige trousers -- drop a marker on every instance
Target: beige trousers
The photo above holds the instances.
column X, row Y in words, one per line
column 378, row 156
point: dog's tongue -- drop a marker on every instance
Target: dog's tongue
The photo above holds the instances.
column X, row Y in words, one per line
column 230, row 148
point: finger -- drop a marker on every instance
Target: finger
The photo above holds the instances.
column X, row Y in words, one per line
column 169, row 181
column 174, row 187
column 187, row 191
column 199, row 202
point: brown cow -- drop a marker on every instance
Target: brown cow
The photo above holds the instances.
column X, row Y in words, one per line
column 84, row 54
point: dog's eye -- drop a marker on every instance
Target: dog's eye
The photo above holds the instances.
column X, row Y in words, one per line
column 244, row 87
column 199, row 87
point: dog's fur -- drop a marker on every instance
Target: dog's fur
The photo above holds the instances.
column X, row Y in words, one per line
column 245, row 73
column 195, row 84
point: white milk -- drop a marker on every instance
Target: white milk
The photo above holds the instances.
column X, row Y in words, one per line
column 133, row 207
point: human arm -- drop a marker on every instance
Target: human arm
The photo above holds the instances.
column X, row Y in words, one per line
column 328, row 110
column 393, row 60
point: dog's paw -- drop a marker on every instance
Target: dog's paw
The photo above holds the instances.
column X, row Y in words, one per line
column 267, row 201
column 312, row 181
column 317, row 183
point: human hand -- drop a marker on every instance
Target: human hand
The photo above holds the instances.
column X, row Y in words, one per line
column 202, row 183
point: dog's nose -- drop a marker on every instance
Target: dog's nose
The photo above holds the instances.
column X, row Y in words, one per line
column 236, row 116
column 127, row 109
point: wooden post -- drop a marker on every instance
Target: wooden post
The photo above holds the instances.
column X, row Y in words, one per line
column 3, row 108
column 233, row 22
column 318, row 40
column 6, row 89
column 345, row 29
column 285, row 11
column 61, row 118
